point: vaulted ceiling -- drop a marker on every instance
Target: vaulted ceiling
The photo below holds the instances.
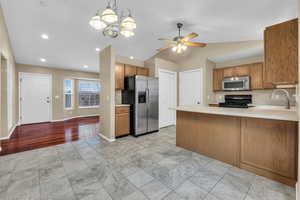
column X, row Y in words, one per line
column 72, row 41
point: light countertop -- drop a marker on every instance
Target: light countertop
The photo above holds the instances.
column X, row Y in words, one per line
column 255, row 112
column 122, row 105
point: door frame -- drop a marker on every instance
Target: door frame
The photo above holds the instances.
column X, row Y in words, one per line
column 200, row 69
column 176, row 91
column 20, row 76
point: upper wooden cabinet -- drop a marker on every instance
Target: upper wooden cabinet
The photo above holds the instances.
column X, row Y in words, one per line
column 142, row 71
column 120, row 72
column 130, row 70
column 281, row 53
column 254, row 70
column 236, row 71
column 256, row 76
column 218, row 75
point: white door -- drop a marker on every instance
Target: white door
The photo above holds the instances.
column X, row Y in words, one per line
column 35, row 98
column 191, row 87
column 167, row 97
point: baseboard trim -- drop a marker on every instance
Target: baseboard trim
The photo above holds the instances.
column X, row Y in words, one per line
column 106, row 138
column 65, row 119
column 10, row 133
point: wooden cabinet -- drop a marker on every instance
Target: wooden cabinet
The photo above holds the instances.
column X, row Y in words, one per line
column 130, row 70
column 120, row 72
column 122, row 123
column 237, row 71
column 142, row 71
column 256, row 76
column 281, row 53
column 275, row 142
column 217, row 79
column 254, row 71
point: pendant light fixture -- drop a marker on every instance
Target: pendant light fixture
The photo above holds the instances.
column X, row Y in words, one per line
column 112, row 23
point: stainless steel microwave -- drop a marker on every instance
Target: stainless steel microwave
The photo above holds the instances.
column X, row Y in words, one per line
column 236, row 83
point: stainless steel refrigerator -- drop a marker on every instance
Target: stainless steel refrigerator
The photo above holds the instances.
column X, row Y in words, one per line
column 141, row 93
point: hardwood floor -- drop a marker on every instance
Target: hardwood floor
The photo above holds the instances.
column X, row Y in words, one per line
column 34, row 136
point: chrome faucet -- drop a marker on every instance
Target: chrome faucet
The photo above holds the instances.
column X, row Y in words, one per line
column 286, row 94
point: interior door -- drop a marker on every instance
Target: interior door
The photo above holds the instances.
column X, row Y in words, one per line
column 35, row 98
column 191, row 87
column 167, row 97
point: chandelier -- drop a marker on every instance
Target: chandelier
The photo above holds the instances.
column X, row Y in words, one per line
column 112, row 23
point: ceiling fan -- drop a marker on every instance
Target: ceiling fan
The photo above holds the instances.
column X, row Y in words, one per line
column 180, row 43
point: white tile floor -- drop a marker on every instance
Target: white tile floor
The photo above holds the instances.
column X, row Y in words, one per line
column 148, row 167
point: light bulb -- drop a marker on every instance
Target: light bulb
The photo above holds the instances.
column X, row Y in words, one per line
column 97, row 23
column 179, row 50
column 127, row 32
column 184, row 47
column 174, row 48
column 109, row 16
column 128, row 23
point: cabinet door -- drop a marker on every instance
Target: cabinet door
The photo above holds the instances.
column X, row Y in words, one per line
column 229, row 72
column 122, row 124
column 242, row 70
column 237, row 71
column 256, row 76
column 281, row 53
column 274, row 141
column 142, row 71
column 130, row 70
column 217, row 79
column 120, row 72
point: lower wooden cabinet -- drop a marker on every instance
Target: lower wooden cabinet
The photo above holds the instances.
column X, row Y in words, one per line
column 122, row 122
column 269, row 148
column 262, row 146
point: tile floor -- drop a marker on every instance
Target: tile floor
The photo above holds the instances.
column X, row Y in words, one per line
column 148, row 167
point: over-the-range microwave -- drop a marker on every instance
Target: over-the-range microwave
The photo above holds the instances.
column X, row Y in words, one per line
column 236, row 83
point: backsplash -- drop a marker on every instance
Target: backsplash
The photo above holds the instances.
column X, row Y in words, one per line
column 259, row 97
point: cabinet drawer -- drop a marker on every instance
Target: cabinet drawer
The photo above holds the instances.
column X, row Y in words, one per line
column 120, row 110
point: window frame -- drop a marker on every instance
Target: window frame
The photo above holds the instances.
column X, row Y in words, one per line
column 72, row 94
column 78, row 94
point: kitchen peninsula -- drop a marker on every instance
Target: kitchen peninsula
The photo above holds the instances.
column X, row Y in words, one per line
column 263, row 141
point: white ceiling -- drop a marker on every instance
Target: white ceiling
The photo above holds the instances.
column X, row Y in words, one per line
column 72, row 42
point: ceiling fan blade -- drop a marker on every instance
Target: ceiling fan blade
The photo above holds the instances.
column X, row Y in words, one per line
column 167, row 40
column 195, row 44
column 166, row 47
column 190, row 36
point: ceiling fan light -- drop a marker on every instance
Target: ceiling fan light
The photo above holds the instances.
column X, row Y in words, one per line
column 97, row 23
column 184, row 47
column 128, row 23
column 127, row 32
column 174, row 49
column 109, row 16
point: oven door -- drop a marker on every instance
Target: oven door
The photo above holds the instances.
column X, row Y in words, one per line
column 236, row 84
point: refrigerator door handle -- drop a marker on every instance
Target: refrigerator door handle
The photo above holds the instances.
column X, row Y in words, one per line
column 147, row 103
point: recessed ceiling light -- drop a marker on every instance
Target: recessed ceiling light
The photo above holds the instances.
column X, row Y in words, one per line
column 131, row 57
column 97, row 49
column 45, row 36
column 43, row 60
column 85, row 66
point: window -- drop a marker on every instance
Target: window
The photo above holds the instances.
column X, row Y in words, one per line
column 88, row 94
column 68, row 93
